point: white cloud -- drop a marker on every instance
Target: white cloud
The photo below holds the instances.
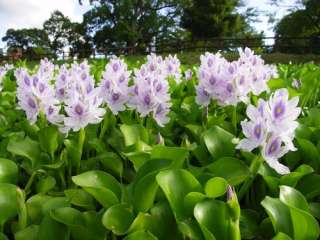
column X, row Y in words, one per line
column 32, row 13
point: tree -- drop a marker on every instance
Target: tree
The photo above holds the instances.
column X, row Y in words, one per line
column 59, row 28
column 212, row 18
column 80, row 42
column 134, row 24
column 26, row 38
column 302, row 21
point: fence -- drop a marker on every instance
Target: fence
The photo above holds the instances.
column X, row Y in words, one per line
column 297, row 45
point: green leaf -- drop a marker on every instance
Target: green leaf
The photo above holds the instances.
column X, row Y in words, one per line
column 219, row 142
column 315, row 209
column 98, row 180
column 292, row 178
column 34, row 207
column 26, row 148
column 309, row 186
column 54, row 203
column 304, row 225
column 191, row 199
column 293, row 198
column 213, row 217
column 190, row 229
column 279, row 215
column 176, row 154
column 68, row 216
column 46, row 184
column 111, row 161
column 133, row 134
column 138, row 158
column 249, row 220
column 309, row 152
column 29, row 233
column 144, row 192
column 231, row 169
column 118, row 218
column 49, row 229
column 8, row 202
column 216, row 187
column 48, row 139
column 176, row 184
column 3, row 237
column 140, row 235
column 79, row 197
column 92, row 228
column 281, row 236
column 8, row 171
column 160, row 222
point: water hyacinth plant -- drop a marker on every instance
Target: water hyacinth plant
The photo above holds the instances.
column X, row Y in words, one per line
column 230, row 82
column 272, row 126
column 121, row 150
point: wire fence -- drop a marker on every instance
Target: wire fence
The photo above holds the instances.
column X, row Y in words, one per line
column 296, row 45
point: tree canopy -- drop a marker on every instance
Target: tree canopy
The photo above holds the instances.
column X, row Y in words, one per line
column 209, row 18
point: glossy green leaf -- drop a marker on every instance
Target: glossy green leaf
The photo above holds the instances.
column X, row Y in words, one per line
column 304, row 225
column 8, row 171
column 46, row 184
column 101, row 185
column 176, row 184
column 138, row 158
column 176, row 154
column 34, row 207
column 249, row 221
column 68, row 216
column 219, row 142
column 292, row 178
column 281, row 236
column 232, row 169
column 29, row 233
column 216, row 187
column 293, row 198
column 98, row 179
column 133, row 133
column 140, row 235
column 118, row 218
column 190, row 229
column 79, row 197
column 8, row 202
column 3, row 236
column 279, row 215
column 49, row 229
column 92, row 228
column 49, row 139
column 26, row 148
column 144, row 192
column 191, row 199
column 309, row 186
column 111, row 161
column 54, row 203
column 213, row 217
column 104, row 196
column 309, row 152
column 315, row 209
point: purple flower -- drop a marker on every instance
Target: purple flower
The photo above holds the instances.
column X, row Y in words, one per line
column 172, row 67
column 35, row 93
column 229, row 83
column 114, row 86
column 188, row 74
column 272, row 150
column 271, row 127
column 150, row 92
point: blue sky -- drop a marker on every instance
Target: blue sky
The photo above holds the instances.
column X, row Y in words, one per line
column 32, row 13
